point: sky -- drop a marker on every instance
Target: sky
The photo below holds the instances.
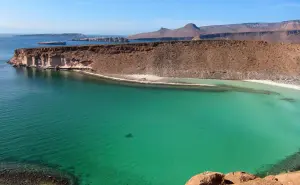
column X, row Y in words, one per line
column 125, row 17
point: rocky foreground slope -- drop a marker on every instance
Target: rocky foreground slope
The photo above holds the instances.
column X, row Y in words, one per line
column 218, row 59
column 243, row 178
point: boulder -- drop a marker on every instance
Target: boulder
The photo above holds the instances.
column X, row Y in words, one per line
column 207, row 178
column 238, row 177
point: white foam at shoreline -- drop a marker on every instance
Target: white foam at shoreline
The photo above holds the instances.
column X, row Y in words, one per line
column 267, row 82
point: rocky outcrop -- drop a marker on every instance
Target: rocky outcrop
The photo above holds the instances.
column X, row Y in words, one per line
column 243, row 178
column 207, row 178
column 239, row 177
column 191, row 30
column 219, row 59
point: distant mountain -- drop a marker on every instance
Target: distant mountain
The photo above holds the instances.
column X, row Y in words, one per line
column 291, row 36
column 191, row 30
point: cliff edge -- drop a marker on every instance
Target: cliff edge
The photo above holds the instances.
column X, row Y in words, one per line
column 207, row 59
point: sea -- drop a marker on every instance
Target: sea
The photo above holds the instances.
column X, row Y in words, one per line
column 116, row 134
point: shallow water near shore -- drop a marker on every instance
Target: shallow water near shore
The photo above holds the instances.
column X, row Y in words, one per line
column 114, row 134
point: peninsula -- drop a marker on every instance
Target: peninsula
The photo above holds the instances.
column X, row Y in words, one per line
column 102, row 39
column 215, row 59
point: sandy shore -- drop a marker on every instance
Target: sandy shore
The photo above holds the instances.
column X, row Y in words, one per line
column 145, row 79
column 157, row 80
column 267, row 82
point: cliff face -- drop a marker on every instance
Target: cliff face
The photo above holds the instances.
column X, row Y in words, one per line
column 221, row 59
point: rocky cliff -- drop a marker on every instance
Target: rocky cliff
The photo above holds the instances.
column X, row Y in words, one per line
column 216, row 59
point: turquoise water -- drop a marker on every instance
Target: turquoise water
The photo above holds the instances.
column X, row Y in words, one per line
column 113, row 134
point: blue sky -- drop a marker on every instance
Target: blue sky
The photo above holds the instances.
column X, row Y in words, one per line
column 134, row 16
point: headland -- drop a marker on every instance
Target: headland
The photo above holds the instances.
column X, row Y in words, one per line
column 204, row 59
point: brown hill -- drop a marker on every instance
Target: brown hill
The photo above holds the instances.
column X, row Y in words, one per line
column 269, row 36
column 191, row 30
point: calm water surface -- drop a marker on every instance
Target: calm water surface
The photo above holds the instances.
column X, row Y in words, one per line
column 118, row 135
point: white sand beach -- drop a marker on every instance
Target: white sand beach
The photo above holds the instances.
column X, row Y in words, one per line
column 144, row 79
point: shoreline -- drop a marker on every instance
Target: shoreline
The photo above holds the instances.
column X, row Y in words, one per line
column 156, row 80
column 142, row 79
column 272, row 83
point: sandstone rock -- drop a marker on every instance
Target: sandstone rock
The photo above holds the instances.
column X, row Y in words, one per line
column 238, row 177
column 207, row 178
column 260, row 181
column 271, row 178
column 292, row 178
column 243, row 178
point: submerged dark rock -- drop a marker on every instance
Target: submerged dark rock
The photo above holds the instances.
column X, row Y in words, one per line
column 129, row 135
column 57, row 68
column 246, row 90
column 289, row 164
column 288, row 99
column 14, row 173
